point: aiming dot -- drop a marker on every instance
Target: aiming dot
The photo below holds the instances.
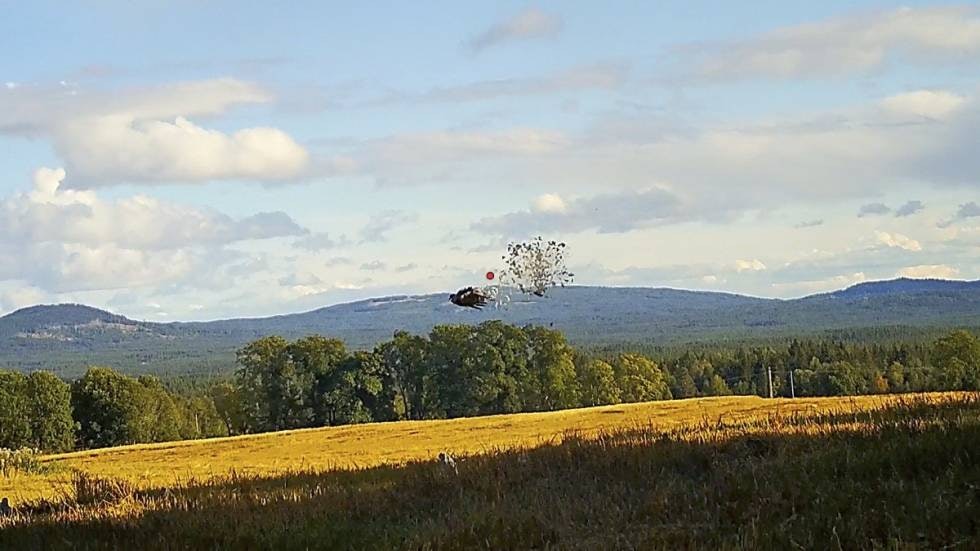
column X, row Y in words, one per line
column 490, row 275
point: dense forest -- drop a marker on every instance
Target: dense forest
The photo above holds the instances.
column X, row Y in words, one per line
column 454, row 371
column 67, row 339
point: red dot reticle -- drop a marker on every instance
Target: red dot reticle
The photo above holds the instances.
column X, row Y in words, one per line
column 490, row 276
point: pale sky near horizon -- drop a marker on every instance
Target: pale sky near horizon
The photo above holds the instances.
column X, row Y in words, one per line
column 202, row 160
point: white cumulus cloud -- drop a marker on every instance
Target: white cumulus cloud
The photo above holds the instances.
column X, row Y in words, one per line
column 934, row 104
column 550, row 202
column 754, row 265
column 65, row 240
column 929, row 271
column 146, row 135
column 898, row 240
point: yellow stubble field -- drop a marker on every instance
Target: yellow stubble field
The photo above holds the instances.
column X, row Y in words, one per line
column 369, row 445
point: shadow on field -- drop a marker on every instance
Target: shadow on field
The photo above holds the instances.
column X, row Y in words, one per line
column 907, row 474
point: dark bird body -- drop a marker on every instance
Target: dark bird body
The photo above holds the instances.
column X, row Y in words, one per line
column 469, row 298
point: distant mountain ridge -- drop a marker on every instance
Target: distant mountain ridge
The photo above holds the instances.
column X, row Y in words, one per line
column 33, row 317
column 69, row 337
column 905, row 285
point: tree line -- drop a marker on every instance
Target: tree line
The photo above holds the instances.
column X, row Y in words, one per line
column 454, row 371
column 102, row 408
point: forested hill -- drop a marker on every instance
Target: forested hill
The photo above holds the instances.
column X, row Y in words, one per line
column 68, row 338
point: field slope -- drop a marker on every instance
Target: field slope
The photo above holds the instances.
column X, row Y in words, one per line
column 373, row 444
column 719, row 473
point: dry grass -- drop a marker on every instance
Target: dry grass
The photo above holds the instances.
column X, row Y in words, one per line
column 370, row 445
column 892, row 472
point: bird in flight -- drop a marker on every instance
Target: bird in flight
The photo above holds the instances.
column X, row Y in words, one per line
column 469, row 298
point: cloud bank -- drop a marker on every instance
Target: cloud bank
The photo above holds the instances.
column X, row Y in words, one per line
column 144, row 136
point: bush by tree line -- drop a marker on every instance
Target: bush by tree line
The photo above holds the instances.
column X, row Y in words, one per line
column 454, row 371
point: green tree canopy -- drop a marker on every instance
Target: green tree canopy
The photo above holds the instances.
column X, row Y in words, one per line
column 15, row 428
column 639, row 379
column 108, row 408
column 597, row 383
column 48, row 410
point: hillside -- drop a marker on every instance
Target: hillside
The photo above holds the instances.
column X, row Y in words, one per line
column 373, row 444
column 721, row 473
column 67, row 338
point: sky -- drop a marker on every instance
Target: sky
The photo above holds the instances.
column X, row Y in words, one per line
column 205, row 160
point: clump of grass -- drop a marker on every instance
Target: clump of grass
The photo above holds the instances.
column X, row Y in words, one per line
column 86, row 490
column 22, row 460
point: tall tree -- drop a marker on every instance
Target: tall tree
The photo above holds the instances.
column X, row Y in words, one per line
column 228, row 405
column 272, row 389
column 15, row 430
column 316, row 361
column 718, row 387
column 551, row 362
column 404, row 361
column 958, row 356
column 48, row 410
column 341, row 392
column 160, row 419
column 108, row 408
column 639, row 379
column 199, row 417
column 466, row 370
column 597, row 383
column 504, row 351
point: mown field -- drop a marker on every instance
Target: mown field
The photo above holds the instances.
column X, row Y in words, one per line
column 739, row 472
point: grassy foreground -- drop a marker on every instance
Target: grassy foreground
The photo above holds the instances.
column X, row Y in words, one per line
column 370, row 445
column 899, row 472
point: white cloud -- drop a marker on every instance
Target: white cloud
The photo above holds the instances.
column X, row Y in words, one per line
column 875, row 261
column 823, row 157
column 549, row 202
column 20, row 297
column 851, row 44
column 809, row 287
column 529, row 24
column 50, row 214
column 347, row 286
column 935, row 271
column 36, row 110
column 607, row 213
column 754, row 265
column 104, row 150
column 145, row 135
column 933, row 104
column 898, row 240
column 66, row 240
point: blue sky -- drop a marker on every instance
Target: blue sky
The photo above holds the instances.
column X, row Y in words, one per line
column 198, row 160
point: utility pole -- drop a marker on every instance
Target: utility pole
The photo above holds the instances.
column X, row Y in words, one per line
column 769, row 370
column 792, row 389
